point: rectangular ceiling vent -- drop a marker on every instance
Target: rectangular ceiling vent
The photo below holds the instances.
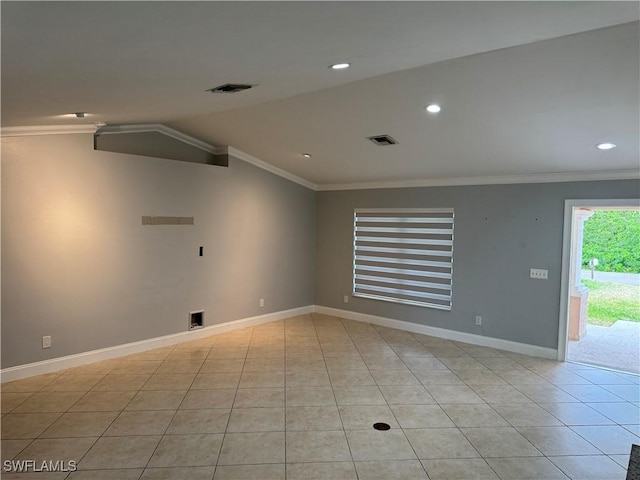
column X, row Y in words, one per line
column 383, row 140
column 230, row 88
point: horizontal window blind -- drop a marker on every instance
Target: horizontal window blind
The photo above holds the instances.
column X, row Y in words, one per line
column 404, row 255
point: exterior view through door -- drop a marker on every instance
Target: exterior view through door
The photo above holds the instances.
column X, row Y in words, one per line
column 604, row 286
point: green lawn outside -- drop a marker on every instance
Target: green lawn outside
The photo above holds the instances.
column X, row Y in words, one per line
column 610, row 302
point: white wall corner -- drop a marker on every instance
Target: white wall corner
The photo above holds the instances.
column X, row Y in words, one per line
column 482, row 341
column 55, row 364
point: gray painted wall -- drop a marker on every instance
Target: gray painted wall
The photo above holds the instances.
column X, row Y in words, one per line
column 500, row 232
column 78, row 265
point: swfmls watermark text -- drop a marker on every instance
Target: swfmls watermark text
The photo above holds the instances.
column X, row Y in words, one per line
column 23, row 466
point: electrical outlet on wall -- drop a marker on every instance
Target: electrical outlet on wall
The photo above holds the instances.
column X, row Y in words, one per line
column 261, row 302
column 478, row 320
column 346, row 299
column 539, row 273
column 46, row 342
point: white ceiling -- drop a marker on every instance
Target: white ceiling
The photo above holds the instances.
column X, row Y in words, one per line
column 526, row 87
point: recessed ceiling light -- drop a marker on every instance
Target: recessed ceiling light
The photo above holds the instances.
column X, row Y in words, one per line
column 79, row 114
column 606, row 146
column 339, row 66
column 306, row 155
column 433, row 108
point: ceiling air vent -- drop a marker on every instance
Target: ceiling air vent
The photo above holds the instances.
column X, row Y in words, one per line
column 230, row 88
column 382, row 140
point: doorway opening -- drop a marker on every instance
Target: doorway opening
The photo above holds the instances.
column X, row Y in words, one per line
column 599, row 323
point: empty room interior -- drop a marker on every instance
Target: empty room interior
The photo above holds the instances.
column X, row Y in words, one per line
column 310, row 240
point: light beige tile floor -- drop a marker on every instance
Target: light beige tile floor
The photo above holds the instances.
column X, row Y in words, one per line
column 297, row 399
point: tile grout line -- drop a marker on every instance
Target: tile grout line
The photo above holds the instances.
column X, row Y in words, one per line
column 402, row 429
column 459, row 429
column 102, row 434
column 528, row 365
column 378, row 387
column 235, row 396
column 162, row 435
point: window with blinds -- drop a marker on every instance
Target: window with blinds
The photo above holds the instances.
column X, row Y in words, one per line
column 404, row 255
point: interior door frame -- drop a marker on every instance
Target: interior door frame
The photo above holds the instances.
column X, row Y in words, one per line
column 568, row 261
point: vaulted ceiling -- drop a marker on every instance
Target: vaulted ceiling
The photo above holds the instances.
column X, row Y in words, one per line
column 526, row 88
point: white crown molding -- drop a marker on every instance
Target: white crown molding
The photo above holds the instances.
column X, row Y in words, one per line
column 154, row 127
column 493, row 180
column 109, row 129
column 47, row 130
column 69, row 361
column 557, row 177
column 160, row 128
column 234, row 152
column 508, row 345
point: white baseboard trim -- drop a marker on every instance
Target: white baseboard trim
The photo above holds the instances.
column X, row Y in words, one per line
column 479, row 340
column 53, row 365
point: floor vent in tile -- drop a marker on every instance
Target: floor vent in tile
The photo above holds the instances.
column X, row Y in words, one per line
column 381, row 426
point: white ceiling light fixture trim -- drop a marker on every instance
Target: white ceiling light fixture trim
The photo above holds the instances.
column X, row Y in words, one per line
column 306, row 155
column 339, row 66
column 606, row 146
column 433, row 108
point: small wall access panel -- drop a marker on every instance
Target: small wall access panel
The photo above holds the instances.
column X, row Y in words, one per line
column 196, row 319
column 158, row 141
